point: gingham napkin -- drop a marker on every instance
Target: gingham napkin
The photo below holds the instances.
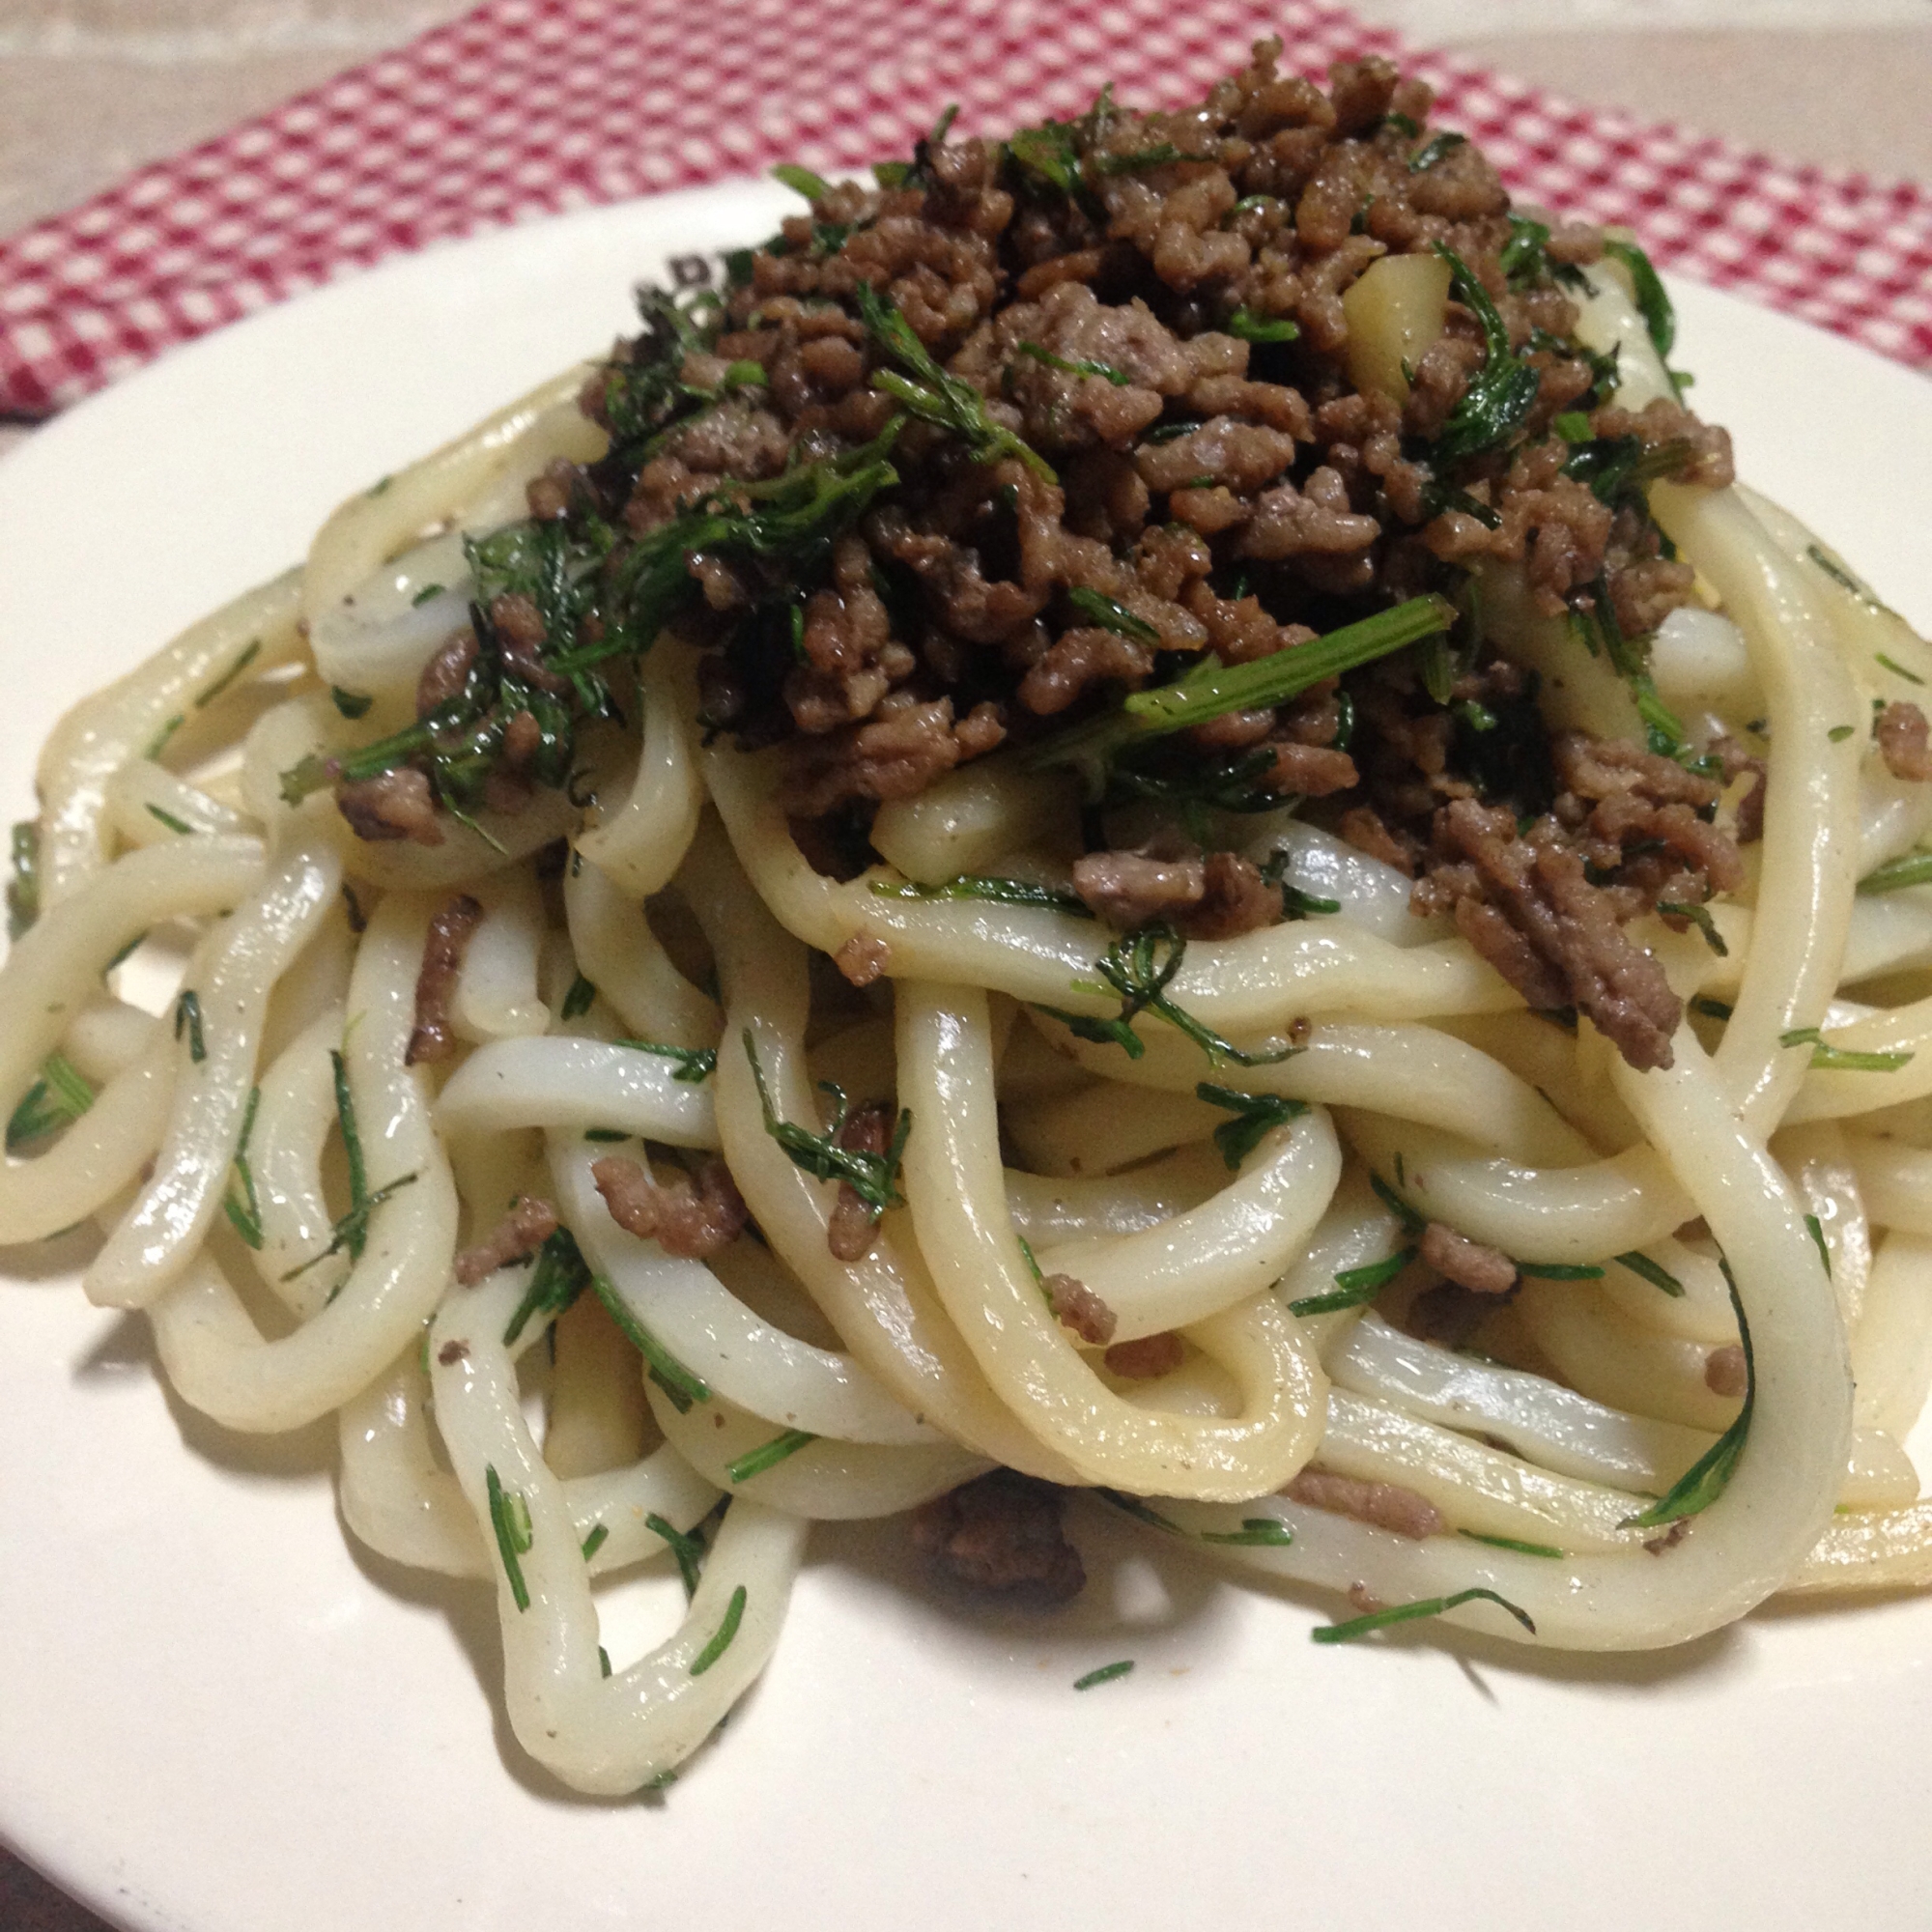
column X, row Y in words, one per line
column 528, row 107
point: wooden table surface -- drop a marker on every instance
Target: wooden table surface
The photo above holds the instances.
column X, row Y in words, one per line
column 90, row 88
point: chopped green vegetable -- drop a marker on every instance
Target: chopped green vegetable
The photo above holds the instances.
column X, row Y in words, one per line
column 1816, row 1229
column 1106, row 1674
column 1412, row 1222
column 1705, row 1480
column 1838, row 733
column 1660, row 320
column 1559, row 1271
column 1646, row 1270
column 599, row 1536
column 23, row 888
column 1356, row 1285
column 1211, row 689
column 680, row 1386
column 187, row 1014
column 1255, row 1115
column 801, row 181
column 351, row 703
column 245, row 1216
column 1839, row 1059
column 1501, row 393
column 1843, row 578
column 228, row 677
column 1261, row 1532
column 1912, row 868
column 560, row 1275
column 1426, row 156
column 59, row 1096
column 1252, row 328
column 720, row 1642
column 946, row 402
column 768, row 1454
column 1140, row 966
column 688, row 1551
column 695, row 1065
column 579, row 1000
column 1401, row 1613
column 1134, row 1506
column 1120, row 378
column 1001, row 891
column 1897, row 669
column 1510, row 1542
column 158, row 743
column 1700, row 917
column 179, row 826
column 872, row 1176
column 428, row 591
column 1112, row 616
column 510, row 1518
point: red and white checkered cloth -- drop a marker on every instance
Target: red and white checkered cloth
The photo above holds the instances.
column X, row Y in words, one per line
column 526, row 107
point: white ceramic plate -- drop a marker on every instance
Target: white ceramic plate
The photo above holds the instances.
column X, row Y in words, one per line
column 215, row 1716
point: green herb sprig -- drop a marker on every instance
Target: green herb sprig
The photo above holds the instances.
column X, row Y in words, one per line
column 1826, row 1057
column 245, row 1216
column 560, row 1275
column 768, row 1454
column 925, row 389
column 1255, row 1115
column 1501, row 393
column 872, row 1176
column 999, row 892
column 1402, row 1613
column 680, row 1386
column 695, row 1065
column 721, row 1642
column 510, row 1519
column 59, row 1096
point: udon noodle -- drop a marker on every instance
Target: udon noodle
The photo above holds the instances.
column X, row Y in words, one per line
column 1718, row 1324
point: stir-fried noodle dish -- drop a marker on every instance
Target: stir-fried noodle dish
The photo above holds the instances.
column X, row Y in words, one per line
column 1137, row 812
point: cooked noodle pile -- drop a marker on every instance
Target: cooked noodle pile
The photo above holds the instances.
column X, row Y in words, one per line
column 1140, row 816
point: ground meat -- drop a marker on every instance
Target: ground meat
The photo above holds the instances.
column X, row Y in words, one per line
column 445, row 674
column 1725, row 1373
column 689, row 1215
column 1141, row 1360
column 1130, row 888
column 863, row 959
column 1554, row 936
column 1902, row 734
column 1736, row 762
column 1234, row 899
column 1481, row 1270
column 443, row 947
column 1001, row 1536
column 452, row 1352
column 1077, row 1307
column 1385, row 1505
column 868, row 1129
column 516, row 1238
column 395, row 805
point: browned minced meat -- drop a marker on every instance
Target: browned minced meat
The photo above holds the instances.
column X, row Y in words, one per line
column 1468, row 1263
column 1724, row 1371
column 868, row 1129
column 686, row 1216
column 1077, row 1307
column 1451, row 1314
column 516, row 1238
column 452, row 1352
column 447, row 941
column 1736, row 762
column 861, row 960
column 1527, row 906
column 1214, row 895
column 1196, row 463
column 1141, row 1360
column 393, row 805
column 1385, row 1505
column 1001, row 1536
column 445, row 675
column 1656, row 1545
column 1902, row 734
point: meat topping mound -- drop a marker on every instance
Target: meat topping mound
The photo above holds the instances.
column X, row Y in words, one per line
column 1001, row 1536
column 1146, row 1359
column 958, row 462
column 447, row 941
column 516, row 1238
column 690, row 1215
